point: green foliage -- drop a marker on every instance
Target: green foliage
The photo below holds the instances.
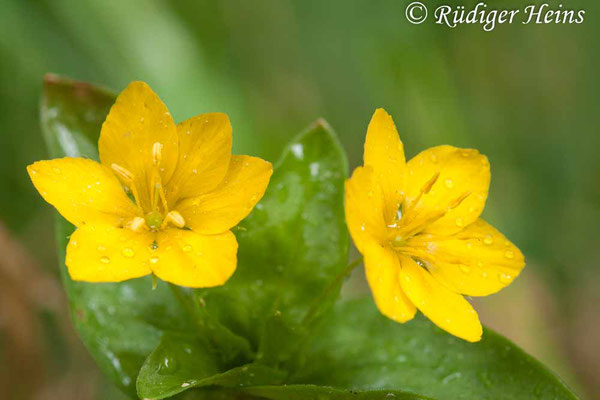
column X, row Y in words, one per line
column 271, row 332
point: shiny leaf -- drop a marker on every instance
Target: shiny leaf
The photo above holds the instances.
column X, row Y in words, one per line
column 360, row 349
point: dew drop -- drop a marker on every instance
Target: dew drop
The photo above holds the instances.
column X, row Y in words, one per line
column 433, row 158
column 449, row 183
column 187, row 248
column 509, row 254
column 154, row 260
column 504, row 278
column 195, row 171
column 488, row 240
column 101, row 248
column 128, row 252
column 459, row 222
column 362, row 227
column 104, row 260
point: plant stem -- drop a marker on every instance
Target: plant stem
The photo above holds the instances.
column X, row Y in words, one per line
column 334, row 285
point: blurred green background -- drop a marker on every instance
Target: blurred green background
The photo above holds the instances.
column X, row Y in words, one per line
column 527, row 96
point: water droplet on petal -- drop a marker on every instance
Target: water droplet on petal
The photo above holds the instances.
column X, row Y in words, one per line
column 488, row 240
column 128, row 252
column 154, row 260
column 187, row 248
column 449, row 184
column 504, row 278
column 101, row 248
column 104, row 260
column 459, row 222
column 509, row 254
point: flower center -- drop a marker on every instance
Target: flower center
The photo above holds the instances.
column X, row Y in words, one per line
column 411, row 219
column 159, row 214
column 154, row 220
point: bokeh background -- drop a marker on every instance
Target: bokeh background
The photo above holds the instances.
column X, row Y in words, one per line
column 526, row 96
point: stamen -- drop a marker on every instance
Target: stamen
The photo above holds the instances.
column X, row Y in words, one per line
column 157, row 153
column 175, row 218
column 122, row 173
column 135, row 224
column 128, row 180
column 429, row 184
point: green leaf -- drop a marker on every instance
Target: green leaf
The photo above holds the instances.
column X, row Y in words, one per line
column 184, row 362
column 71, row 115
column 360, row 349
column 312, row 392
column 296, row 392
column 292, row 246
column 120, row 323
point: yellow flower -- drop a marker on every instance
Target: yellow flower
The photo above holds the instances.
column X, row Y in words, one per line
column 162, row 200
column 417, row 225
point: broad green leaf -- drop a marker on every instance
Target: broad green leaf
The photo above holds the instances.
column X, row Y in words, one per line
column 360, row 349
column 184, row 362
column 297, row 392
column 292, row 246
column 312, row 392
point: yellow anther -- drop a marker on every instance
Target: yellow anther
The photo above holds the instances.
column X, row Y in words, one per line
column 135, row 224
column 127, row 178
column 157, row 152
column 122, row 173
column 175, row 218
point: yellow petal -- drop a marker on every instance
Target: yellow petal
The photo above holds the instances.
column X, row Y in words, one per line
column 364, row 207
column 476, row 261
column 221, row 209
column 446, row 309
column 82, row 190
column 457, row 181
column 204, row 154
column 137, row 121
column 104, row 253
column 382, row 269
column 384, row 152
column 190, row 259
